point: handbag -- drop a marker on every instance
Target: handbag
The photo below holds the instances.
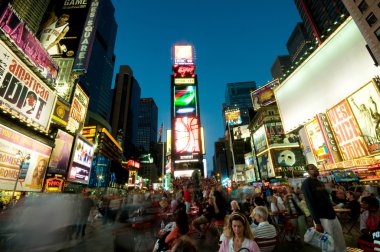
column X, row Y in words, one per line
column 323, row 241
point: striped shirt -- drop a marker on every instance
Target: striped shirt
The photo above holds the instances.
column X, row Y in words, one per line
column 264, row 230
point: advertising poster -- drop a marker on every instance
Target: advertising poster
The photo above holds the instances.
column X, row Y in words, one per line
column 305, row 144
column 329, row 137
column 22, row 93
column 233, row 117
column 80, row 168
column 264, row 95
column 185, row 101
column 318, row 144
column 78, row 109
column 250, row 175
column 183, row 55
column 31, row 171
column 347, row 133
column 277, row 137
column 248, row 160
column 289, row 158
column 241, row 132
column 27, row 43
column 186, row 135
column 365, row 105
column 63, row 21
column 60, row 156
column 259, row 140
column 61, row 112
column 265, row 166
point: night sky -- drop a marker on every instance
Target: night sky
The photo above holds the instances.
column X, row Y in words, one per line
column 235, row 40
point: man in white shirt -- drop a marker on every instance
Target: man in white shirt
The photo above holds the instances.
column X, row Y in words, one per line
column 264, row 230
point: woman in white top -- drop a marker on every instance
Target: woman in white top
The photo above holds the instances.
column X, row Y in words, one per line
column 276, row 208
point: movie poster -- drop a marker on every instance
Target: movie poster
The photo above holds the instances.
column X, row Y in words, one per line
column 277, row 137
column 264, row 95
column 60, row 156
column 365, row 105
column 318, row 143
column 265, row 166
column 259, row 140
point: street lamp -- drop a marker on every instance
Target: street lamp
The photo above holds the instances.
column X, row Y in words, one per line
column 22, row 157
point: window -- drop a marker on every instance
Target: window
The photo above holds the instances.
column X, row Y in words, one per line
column 371, row 19
column 363, row 6
column 377, row 33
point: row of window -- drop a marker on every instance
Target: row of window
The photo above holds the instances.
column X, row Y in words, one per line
column 371, row 18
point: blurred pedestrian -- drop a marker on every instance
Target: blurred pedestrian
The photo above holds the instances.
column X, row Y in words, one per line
column 86, row 204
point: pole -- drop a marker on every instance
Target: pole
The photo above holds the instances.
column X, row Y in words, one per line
column 15, row 187
column 232, row 151
column 163, row 157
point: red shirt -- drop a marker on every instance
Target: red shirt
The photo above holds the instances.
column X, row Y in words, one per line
column 187, row 196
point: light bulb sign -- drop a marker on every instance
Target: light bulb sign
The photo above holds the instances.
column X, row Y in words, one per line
column 183, row 55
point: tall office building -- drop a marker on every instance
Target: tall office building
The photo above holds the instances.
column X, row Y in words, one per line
column 299, row 44
column 98, row 79
column 30, row 11
column 125, row 110
column 238, row 95
column 321, row 17
column 366, row 14
column 280, row 66
column 147, row 125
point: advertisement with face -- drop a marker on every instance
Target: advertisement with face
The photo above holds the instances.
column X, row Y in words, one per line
column 186, row 135
column 241, row 132
column 365, row 105
column 264, row 95
column 318, row 143
column 307, row 149
column 185, row 101
column 259, row 140
column 31, row 171
column 62, row 27
column 277, row 137
column 80, row 168
column 289, row 158
column 22, row 93
column 60, row 156
column 347, row 133
column 78, row 109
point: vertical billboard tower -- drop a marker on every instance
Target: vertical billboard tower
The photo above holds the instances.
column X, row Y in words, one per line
column 187, row 153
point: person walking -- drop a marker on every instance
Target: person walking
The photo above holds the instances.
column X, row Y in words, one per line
column 86, row 204
column 321, row 209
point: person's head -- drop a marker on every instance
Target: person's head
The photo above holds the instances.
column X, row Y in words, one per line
column 40, row 168
column 238, row 226
column 289, row 189
column 366, row 193
column 312, row 170
column 235, row 205
column 259, row 201
column 260, row 214
column 274, row 200
column 182, row 221
column 350, row 195
column 184, row 244
column 64, row 18
column 370, row 203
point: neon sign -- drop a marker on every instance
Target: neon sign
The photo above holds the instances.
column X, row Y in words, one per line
column 183, row 55
column 187, row 135
column 184, row 71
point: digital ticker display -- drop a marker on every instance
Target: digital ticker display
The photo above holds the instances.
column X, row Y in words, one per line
column 185, row 101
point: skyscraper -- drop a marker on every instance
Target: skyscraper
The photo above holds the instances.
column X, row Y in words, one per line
column 125, row 110
column 321, row 17
column 98, row 79
column 299, row 43
column 147, row 125
column 280, row 66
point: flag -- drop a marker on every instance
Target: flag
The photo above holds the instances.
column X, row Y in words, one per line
column 160, row 132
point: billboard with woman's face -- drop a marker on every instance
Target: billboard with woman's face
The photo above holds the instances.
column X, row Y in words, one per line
column 60, row 155
column 80, row 168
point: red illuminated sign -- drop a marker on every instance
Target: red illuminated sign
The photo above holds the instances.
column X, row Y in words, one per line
column 183, row 71
column 133, row 163
column 186, row 135
column 347, row 133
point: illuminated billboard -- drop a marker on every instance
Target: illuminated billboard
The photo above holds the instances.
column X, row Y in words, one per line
column 233, row 116
column 365, row 104
column 347, row 133
column 277, row 137
column 186, row 72
column 168, row 141
column 248, row 160
column 264, row 95
column 318, row 144
column 60, row 156
column 259, row 140
column 292, row 157
column 186, row 135
column 331, row 142
column 22, row 93
column 61, row 112
column 27, row 43
column 32, row 172
column 185, row 101
column 241, row 132
column 80, row 168
column 265, row 165
column 78, row 110
column 183, row 55
column 184, row 81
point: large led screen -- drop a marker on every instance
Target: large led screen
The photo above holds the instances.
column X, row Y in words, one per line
column 241, row 132
column 277, row 137
column 318, row 144
column 185, row 101
column 335, row 70
column 347, row 133
column 233, row 117
column 365, row 104
column 31, row 172
column 259, row 140
column 80, row 168
column 60, row 156
column 264, row 95
column 183, row 55
column 186, row 135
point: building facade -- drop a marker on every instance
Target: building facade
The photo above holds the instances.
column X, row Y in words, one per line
column 147, row 125
column 280, row 66
column 299, row 44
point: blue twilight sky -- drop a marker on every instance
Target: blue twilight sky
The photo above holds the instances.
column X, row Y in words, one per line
column 234, row 40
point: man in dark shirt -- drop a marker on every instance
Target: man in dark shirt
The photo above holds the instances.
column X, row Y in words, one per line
column 321, row 209
column 86, row 204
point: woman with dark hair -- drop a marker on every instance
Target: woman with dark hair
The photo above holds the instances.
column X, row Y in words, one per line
column 370, row 218
column 181, row 228
column 239, row 236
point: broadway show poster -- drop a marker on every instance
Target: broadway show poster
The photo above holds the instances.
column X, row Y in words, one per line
column 31, row 171
column 60, row 156
column 80, row 168
column 318, row 143
column 265, row 166
column 241, row 132
column 347, row 132
column 233, row 117
column 289, row 158
column 264, row 95
column 259, row 140
column 306, row 146
column 365, row 105
column 277, row 137
column 63, row 21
